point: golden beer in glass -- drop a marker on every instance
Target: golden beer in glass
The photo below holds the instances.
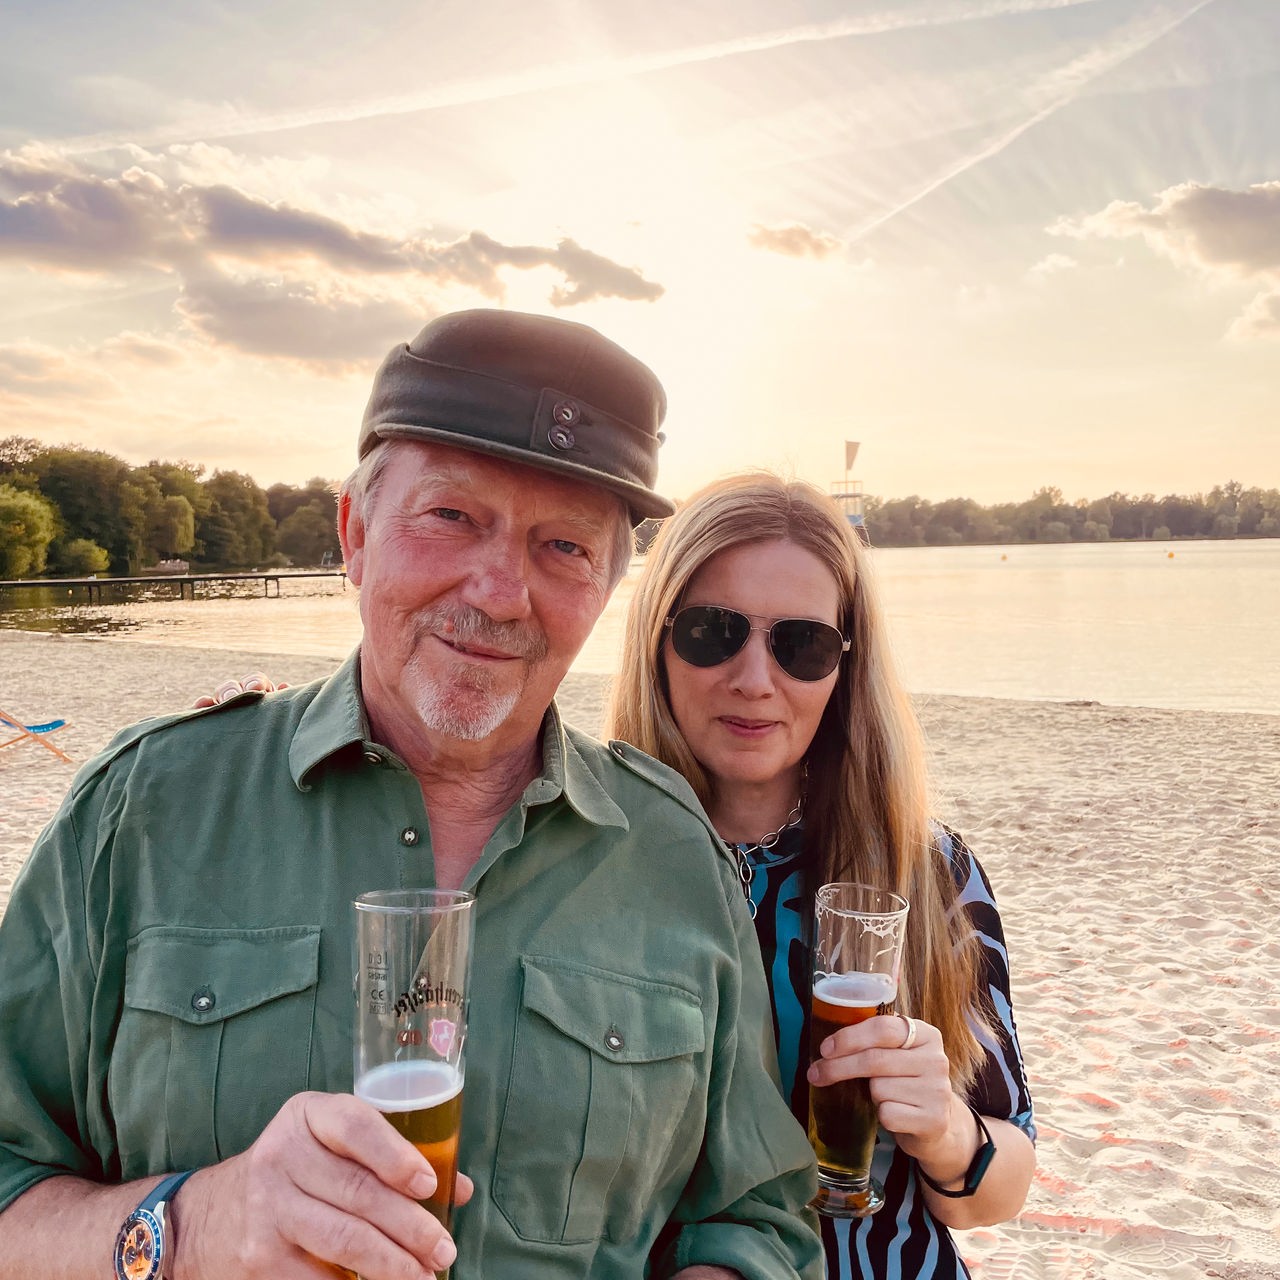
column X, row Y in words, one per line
column 423, row 1102
column 856, row 962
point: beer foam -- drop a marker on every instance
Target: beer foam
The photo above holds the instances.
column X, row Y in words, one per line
column 409, row 1086
column 856, row 990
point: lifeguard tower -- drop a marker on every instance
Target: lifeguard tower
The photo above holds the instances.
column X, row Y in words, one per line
column 847, row 493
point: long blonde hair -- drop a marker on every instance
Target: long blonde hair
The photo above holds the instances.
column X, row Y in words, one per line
column 866, row 814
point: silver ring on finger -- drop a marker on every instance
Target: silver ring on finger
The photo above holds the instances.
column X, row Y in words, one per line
column 910, row 1038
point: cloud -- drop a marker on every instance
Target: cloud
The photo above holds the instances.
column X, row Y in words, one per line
column 1260, row 319
column 144, row 349
column 589, row 276
column 794, row 240
column 1236, row 233
column 330, row 324
column 30, row 369
column 1051, row 265
column 83, row 221
column 1227, row 235
column 270, row 277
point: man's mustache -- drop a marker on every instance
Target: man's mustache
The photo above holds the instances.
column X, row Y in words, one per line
column 473, row 628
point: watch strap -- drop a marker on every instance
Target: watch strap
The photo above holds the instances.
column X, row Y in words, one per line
column 165, row 1190
column 977, row 1169
column 141, row 1246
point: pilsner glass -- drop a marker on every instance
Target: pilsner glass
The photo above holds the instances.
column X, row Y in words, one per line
column 412, row 965
column 857, row 956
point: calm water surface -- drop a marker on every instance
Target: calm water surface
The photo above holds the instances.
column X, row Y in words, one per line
column 1116, row 623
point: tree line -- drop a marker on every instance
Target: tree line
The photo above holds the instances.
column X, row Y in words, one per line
column 1226, row 511
column 71, row 512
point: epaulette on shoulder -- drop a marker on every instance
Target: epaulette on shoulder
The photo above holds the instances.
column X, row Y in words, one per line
column 129, row 737
column 668, row 781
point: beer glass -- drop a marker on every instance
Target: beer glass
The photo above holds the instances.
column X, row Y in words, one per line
column 857, row 955
column 412, row 966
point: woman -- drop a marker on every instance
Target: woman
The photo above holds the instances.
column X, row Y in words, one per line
column 755, row 663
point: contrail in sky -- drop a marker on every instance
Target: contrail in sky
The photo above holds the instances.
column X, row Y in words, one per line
column 563, row 75
column 1063, row 87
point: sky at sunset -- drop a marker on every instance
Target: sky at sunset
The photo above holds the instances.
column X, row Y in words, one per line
column 1002, row 243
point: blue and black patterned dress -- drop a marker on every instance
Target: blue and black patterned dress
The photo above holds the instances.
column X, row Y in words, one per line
column 903, row 1241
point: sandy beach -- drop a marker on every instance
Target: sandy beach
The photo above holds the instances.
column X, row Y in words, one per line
column 1134, row 855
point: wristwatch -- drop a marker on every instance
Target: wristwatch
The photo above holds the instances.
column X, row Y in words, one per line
column 140, row 1246
column 977, row 1166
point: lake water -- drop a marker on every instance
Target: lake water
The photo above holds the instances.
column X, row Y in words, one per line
column 1123, row 623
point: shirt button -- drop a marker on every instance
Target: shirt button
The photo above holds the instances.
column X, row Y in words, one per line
column 409, row 835
column 613, row 1041
column 373, row 757
column 203, row 1000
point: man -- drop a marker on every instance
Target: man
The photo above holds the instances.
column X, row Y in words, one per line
column 175, row 980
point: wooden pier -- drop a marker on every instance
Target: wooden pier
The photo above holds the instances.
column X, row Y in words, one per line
column 185, row 582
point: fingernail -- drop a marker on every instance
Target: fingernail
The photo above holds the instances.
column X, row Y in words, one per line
column 423, row 1185
column 444, row 1255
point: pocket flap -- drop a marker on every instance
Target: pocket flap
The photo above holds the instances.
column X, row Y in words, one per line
column 623, row 1019
column 205, row 975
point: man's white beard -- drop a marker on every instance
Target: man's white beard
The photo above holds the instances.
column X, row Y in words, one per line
column 460, row 707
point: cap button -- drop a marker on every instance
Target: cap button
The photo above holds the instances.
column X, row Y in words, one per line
column 561, row 437
column 566, row 413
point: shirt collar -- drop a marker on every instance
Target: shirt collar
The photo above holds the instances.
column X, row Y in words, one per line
column 335, row 720
column 565, row 771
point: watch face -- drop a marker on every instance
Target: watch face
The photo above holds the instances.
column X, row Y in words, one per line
column 138, row 1247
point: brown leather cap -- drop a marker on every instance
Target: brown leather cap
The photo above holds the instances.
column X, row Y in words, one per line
column 546, row 392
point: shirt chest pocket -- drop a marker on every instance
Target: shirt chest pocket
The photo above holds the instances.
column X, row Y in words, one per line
column 214, row 1036
column 600, row 1101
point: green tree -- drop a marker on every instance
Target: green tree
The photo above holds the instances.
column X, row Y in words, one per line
column 100, row 498
column 80, row 558
column 898, row 522
column 247, row 537
column 28, row 523
column 1185, row 517
column 182, row 480
column 307, row 534
column 173, row 527
column 16, row 453
column 283, row 500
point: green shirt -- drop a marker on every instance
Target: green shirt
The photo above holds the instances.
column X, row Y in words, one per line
column 175, row 962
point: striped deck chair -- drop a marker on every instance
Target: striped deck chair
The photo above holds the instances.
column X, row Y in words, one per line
column 31, row 733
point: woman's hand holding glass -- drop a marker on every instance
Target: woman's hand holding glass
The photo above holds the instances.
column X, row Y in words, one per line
column 909, row 1078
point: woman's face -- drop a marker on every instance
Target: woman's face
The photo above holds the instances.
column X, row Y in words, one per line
column 746, row 720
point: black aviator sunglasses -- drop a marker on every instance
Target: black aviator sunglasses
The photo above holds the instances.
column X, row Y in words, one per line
column 705, row 635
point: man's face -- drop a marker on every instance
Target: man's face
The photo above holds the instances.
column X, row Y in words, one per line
column 480, row 580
